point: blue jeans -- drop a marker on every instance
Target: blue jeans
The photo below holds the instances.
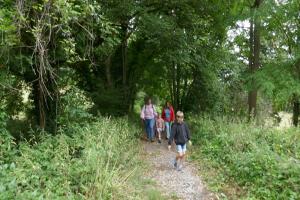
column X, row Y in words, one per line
column 168, row 129
column 149, row 123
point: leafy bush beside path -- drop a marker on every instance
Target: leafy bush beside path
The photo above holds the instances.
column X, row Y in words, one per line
column 263, row 161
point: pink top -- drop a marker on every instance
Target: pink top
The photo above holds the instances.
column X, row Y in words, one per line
column 148, row 112
column 160, row 123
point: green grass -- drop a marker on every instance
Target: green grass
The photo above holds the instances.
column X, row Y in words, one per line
column 261, row 163
column 153, row 194
column 99, row 160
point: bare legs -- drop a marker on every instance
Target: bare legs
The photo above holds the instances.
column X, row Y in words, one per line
column 179, row 160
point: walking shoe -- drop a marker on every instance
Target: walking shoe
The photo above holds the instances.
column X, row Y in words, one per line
column 175, row 164
column 179, row 168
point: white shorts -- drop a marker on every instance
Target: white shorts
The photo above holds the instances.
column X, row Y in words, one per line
column 181, row 148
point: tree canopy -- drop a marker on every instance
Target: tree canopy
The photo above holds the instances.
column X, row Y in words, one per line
column 203, row 56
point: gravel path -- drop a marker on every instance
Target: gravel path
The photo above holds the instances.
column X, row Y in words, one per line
column 185, row 184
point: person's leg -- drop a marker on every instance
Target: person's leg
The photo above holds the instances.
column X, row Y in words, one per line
column 183, row 155
column 151, row 124
column 148, row 130
column 170, row 127
column 167, row 124
column 182, row 159
column 178, row 161
column 178, row 158
column 159, row 135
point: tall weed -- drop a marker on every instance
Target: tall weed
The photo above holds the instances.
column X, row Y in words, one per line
column 92, row 161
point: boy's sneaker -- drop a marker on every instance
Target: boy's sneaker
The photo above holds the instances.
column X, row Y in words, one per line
column 175, row 164
column 179, row 168
column 159, row 141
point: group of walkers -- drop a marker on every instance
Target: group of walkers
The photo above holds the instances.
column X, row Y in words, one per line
column 176, row 130
column 152, row 119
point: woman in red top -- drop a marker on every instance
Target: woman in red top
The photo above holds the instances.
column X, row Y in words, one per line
column 168, row 116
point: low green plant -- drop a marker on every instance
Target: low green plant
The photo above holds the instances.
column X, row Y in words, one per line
column 263, row 161
column 94, row 161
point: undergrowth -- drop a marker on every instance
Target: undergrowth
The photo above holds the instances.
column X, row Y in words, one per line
column 263, row 162
column 98, row 160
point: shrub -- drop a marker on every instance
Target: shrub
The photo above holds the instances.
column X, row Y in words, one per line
column 264, row 161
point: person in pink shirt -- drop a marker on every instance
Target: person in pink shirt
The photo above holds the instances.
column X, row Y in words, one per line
column 160, row 126
column 148, row 115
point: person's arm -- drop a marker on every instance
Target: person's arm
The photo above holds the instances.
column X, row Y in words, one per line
column 143, row 113
column 187, row 131
column 172, row 117
column 173, row 133
column 154, row 111
column 163, row 114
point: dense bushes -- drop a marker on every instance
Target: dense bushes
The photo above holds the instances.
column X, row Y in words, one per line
column 264, row 161
column 90, row 161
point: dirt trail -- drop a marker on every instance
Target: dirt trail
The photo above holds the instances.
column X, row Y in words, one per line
column 184, row 184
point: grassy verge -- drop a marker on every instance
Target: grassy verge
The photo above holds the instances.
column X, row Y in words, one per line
column 260, row 163
column 99, row 160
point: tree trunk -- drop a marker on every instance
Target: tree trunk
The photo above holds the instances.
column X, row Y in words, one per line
column 296, row 107
column 124, row 62
column 41, row 108
column 251, row 95
column 46, row 107
column 184, row 93
column 170, row 83
column 174, row 86
column 124, row 51
column 108, row 72
column 178, row 72
column 52, row 106
column 124, row 65
column 131, row 97
column 254, row 59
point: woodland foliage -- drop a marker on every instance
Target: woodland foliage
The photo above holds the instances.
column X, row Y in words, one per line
column 65, row 64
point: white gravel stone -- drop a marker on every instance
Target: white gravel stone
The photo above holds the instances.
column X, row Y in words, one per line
column 184, row 184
